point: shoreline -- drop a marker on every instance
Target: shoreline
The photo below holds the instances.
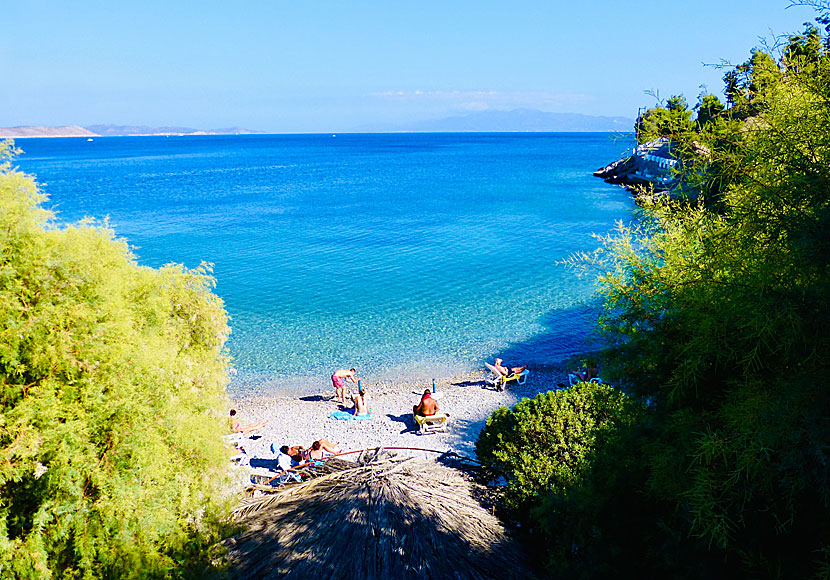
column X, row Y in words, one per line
column 302, row 419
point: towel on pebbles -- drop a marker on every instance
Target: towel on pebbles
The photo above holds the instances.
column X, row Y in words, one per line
column 349, row 416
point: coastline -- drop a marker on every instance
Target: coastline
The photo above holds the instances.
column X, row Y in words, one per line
column 300, row 420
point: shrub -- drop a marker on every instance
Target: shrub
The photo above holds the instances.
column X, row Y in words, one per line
column 112, row 380
column 545, row 445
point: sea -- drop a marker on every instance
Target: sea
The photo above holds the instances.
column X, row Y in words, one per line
column 416, row 255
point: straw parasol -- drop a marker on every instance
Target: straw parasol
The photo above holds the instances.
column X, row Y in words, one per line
column 381, row 517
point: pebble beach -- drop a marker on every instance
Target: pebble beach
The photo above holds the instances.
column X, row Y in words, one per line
column 468, row 400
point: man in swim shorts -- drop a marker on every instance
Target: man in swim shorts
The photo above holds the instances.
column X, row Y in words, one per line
column 427, row 407
column 338, row 379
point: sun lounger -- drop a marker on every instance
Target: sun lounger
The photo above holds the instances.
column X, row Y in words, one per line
column 432, row 423
column 572, row 378
column 233, row 438
column 264, row 476
column 498, row 381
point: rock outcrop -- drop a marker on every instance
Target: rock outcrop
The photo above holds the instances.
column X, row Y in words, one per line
column 650, row 164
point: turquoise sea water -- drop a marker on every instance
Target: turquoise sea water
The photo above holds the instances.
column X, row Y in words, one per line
column 412, row 255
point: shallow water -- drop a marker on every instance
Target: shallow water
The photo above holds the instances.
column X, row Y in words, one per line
column 412, row 255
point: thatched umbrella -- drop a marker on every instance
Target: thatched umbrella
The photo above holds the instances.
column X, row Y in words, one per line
column 382, row 518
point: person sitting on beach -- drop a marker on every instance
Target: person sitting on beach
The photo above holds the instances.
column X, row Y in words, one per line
column 321, row 448
column 591, row 371
column 339, row 379
column 236, row 427
column 427, row 407
column 505, row 370
column 361, row 402
column 284, row 459
column 284, row 465
column 296, row 453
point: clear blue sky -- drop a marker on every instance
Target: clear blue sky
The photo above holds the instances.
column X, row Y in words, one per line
column 335, row 65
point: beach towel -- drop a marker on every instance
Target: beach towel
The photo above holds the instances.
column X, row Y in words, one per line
column 349, row 416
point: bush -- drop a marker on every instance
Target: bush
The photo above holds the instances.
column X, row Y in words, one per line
column 112, row 380
column 545, row 445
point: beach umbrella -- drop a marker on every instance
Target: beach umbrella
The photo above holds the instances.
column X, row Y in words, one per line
column 382, row 517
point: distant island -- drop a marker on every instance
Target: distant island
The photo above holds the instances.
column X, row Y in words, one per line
column 113, row 131
column 508, row 121
column 516, row 120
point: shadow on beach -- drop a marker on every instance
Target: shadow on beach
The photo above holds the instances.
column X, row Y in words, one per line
column 407, row 420
column 468, row 384
column 316, row 398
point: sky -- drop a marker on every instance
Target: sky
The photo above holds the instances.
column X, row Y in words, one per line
column 318, row 66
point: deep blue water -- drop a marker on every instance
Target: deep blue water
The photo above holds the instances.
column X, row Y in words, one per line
column 410, row 255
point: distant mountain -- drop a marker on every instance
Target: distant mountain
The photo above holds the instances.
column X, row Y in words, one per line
column 63, row 131
column 529, row 120
column 113, row 130
column 123, row 130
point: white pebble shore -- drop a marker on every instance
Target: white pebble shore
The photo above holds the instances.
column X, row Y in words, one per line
column 304, row 419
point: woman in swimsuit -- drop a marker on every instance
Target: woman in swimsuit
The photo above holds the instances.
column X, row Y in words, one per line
column 321, row 448
column 236, row 427
column 361, row 402
column 507, row 371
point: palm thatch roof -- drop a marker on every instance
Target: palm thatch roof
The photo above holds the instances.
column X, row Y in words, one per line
column 381, row 517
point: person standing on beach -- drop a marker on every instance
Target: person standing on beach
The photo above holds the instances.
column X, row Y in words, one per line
column 339, row 379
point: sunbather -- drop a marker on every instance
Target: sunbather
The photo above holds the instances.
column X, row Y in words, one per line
column 236, row 427
column 427, row 407
column 507, row 371
column 296, row 452
column 361, row 402
column 284, row 459
column 591, row 371
column 321, row 448
column 284, row 464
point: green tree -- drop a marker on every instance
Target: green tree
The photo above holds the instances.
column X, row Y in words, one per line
column 112, row 380
column 708, row 108
column 732, row 88
column 803, row 51
column 717, row 314
column 669, row 121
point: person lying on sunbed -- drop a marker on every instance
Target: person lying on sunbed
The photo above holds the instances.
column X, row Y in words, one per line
column 591, row 371
column 236, row 427
column 427, row 407
column 505, row 370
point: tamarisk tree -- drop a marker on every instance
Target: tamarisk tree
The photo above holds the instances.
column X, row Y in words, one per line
column 112, row 382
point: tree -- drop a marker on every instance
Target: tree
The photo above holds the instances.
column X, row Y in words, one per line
column 673, row 119
column 717, row 315
column 708, row 108
column 112, row 381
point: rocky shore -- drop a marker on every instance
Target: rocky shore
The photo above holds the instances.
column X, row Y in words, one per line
column 650, row 165
column 304, row 419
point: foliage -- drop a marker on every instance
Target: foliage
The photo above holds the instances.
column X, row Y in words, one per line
column 709, row 108
column 666, row 121
column 717, row 313
column 545, row 444
column 112, row 381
